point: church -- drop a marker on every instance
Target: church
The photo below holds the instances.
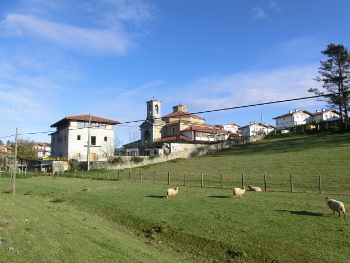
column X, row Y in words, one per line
column 171, row 132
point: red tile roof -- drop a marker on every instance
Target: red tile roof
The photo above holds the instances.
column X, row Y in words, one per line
column 259, row 124
column 206, row 128
column 85, row 118
column 292, row 113
column 173, row 138
column 182, row 114
column 321, row 112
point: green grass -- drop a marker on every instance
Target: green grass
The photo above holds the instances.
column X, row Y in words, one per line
column 75, row 220
column 304, row 157
column 60, row 219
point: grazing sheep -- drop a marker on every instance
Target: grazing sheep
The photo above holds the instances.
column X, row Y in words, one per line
column 239, row 191
column 254, row 188
column 335, row 206
column 171, row 191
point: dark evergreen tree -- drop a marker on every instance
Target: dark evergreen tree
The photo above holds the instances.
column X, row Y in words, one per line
column 335, row 76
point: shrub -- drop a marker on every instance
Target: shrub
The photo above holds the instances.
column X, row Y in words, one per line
column 136, row 159
column 116, row 160
column 73, row 164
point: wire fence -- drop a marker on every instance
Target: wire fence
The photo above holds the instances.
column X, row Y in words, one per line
column 330, row 184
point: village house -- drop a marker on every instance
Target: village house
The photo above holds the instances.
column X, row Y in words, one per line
column 302, row 117
column 325, row 115
column 233, row 128
column 165, row 134
column 292, row 119
column 78, row 137
column 256, row 128
column 43, row 149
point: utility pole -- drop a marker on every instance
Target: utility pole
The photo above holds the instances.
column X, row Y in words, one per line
column 15, row 165
column 88, row 145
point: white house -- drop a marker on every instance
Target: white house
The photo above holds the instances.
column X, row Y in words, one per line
column 325, row 115
column 43, row 149
column 233, row 128
column 256, row 128
column 71, row 139
column 293, row 118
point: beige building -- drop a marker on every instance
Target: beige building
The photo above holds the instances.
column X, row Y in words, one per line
column 164, row 134
column 77, row 137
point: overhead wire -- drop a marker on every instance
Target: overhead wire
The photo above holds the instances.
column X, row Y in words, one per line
column 199, row 112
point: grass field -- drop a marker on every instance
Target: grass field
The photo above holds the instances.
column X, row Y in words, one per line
column 60, row 219
column 303, row 157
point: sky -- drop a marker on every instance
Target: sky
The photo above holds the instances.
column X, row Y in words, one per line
column 108, row 58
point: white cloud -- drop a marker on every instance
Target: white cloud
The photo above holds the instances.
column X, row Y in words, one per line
column 251, row 88
column 259, row 13
column 70, row 36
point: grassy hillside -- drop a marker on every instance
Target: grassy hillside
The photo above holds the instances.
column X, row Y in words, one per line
column 54, row 219
column 59, row 219
column 305, row 157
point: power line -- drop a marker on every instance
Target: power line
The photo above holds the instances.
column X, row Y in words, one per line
column 201, row 112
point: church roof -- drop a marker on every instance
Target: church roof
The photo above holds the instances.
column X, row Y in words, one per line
column 182, row 114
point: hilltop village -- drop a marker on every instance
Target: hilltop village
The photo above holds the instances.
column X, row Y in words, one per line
column 165, row 134
column 179, row 134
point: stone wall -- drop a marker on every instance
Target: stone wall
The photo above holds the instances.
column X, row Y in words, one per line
column 187, row 151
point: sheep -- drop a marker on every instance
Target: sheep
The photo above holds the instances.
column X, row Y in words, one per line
column 172, row 191
column 239, row 191
column 254, row 188
column 335, row 206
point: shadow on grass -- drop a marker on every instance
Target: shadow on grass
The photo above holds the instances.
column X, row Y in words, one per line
column 219, row 196
column 156, row 196
column 301, row 213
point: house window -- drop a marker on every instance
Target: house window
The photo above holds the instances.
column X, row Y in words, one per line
column 78, row 137
column 78, row 155
column 173, row 130
column 93, row 140
column 105, row 138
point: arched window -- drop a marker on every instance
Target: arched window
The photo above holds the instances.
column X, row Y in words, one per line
column 156, row 108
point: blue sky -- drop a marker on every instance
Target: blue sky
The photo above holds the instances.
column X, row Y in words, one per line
column 108, row 57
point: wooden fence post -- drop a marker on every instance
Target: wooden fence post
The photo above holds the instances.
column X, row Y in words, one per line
column 168, row 177
column 154, row 176
column 184, row 179
column 319, row 184
column 118, row 176
column 220, row 180
column 140, row 176
column 242, row 180
column 265, row 186
column 202, row 179
column 129, row 175
column 291, row 183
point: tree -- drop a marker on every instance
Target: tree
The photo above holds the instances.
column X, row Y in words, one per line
column 335, row 75
column 25, row 150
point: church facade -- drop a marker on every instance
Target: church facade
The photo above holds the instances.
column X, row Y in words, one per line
column 168, row 133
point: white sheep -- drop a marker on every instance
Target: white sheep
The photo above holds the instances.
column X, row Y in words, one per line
column 335, row 206
column 254, row 188
column 239, row 191
column 171, row 191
